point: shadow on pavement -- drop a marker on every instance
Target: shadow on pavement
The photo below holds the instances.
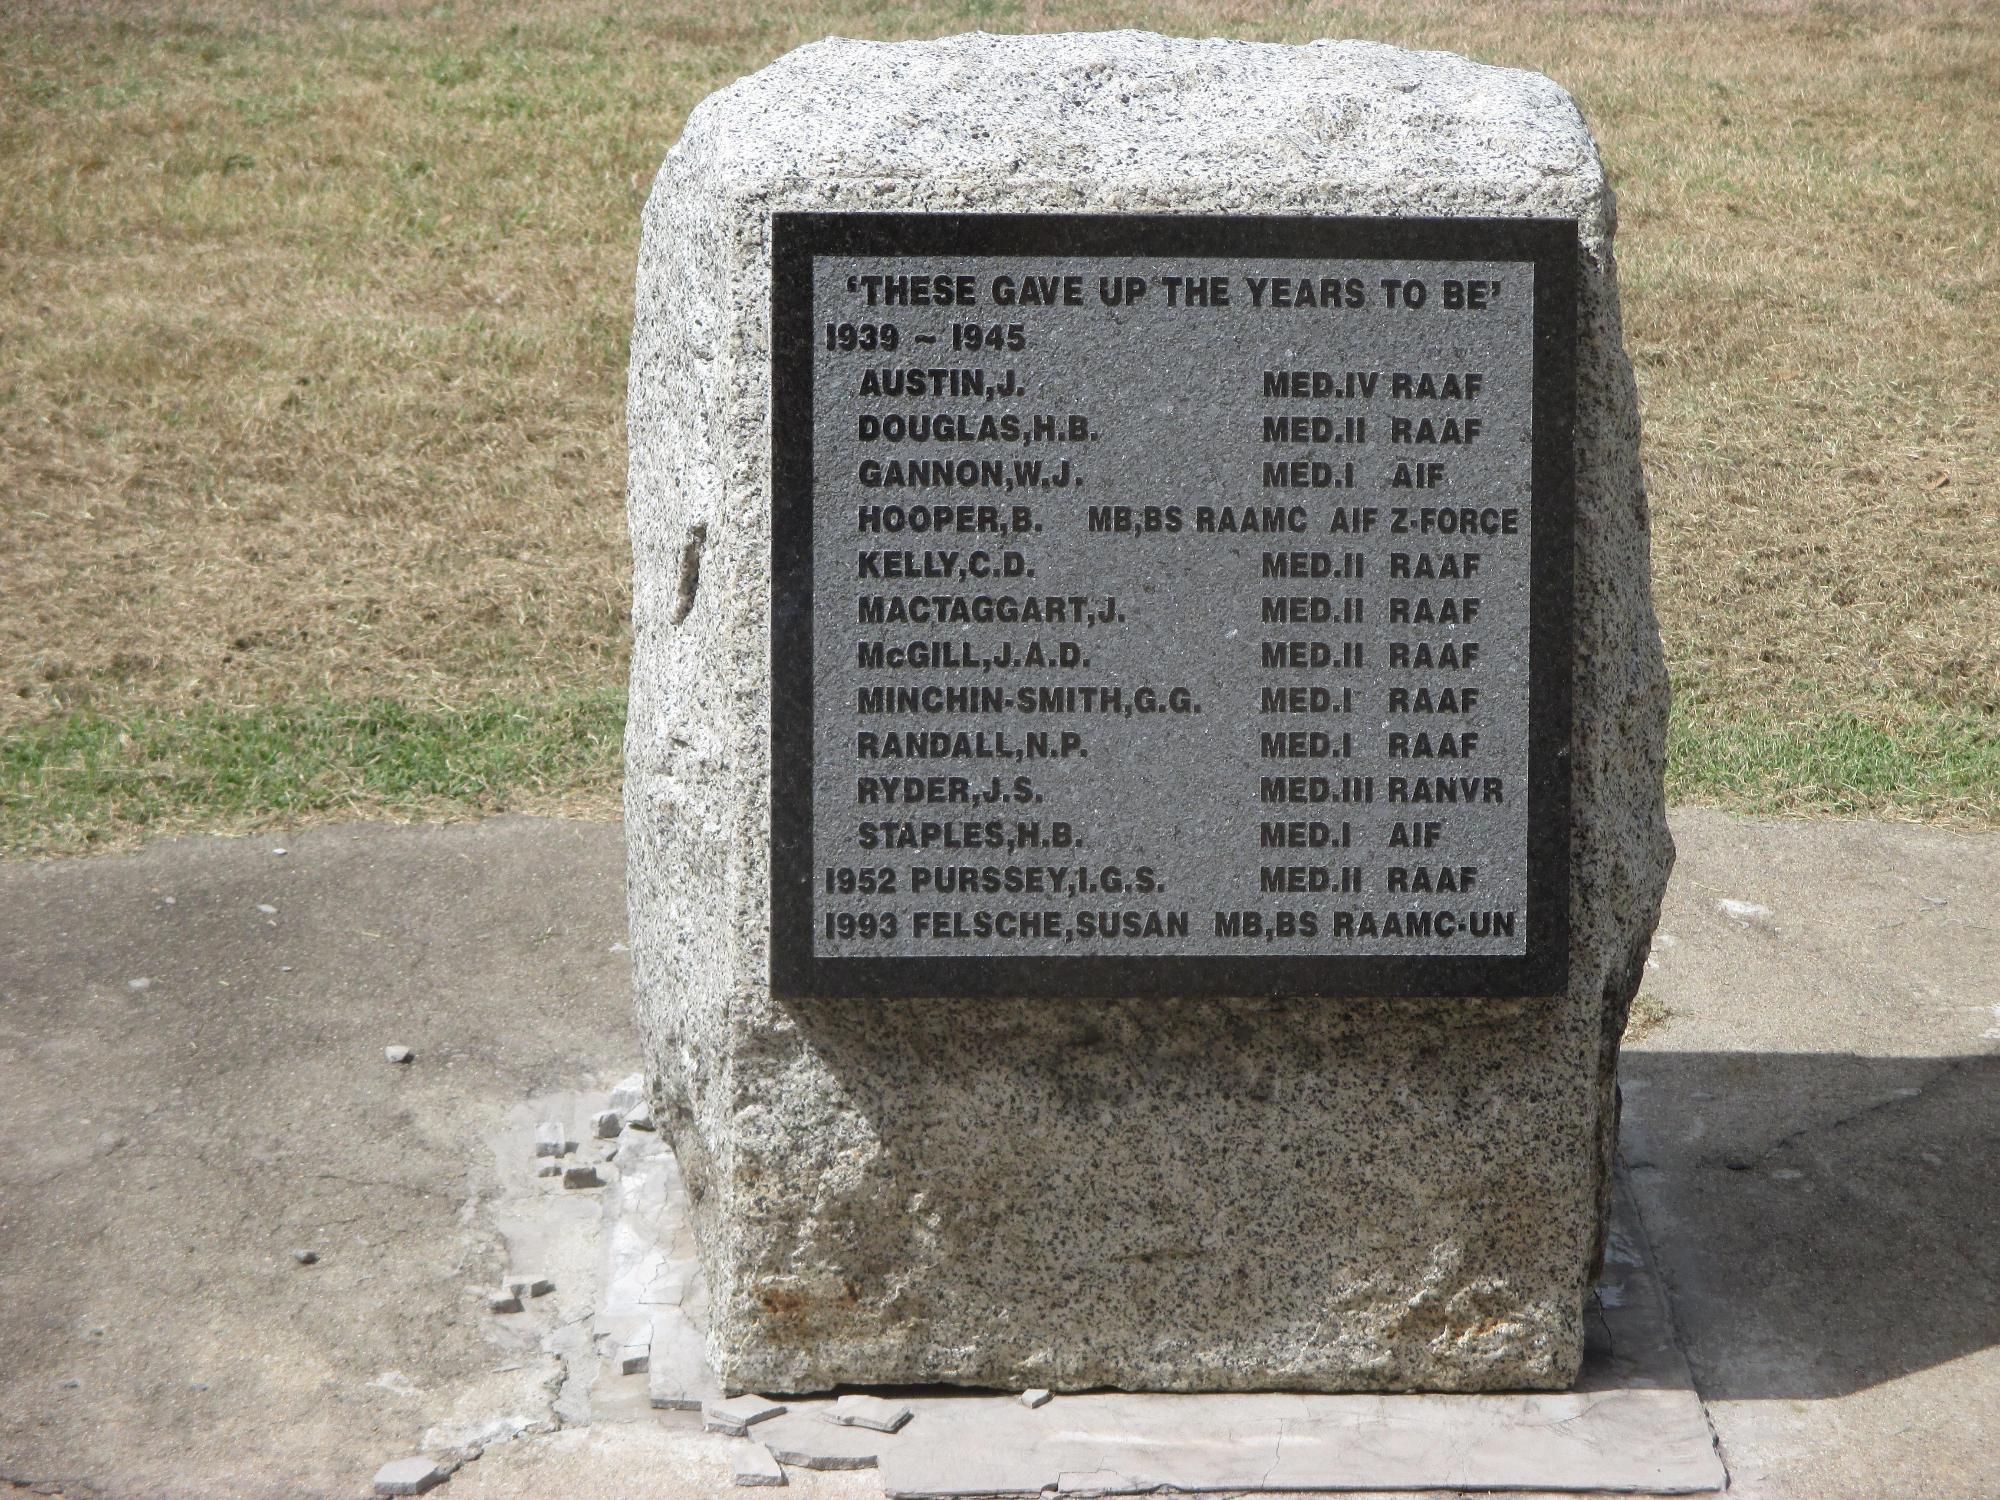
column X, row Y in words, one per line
column 1826, row 1222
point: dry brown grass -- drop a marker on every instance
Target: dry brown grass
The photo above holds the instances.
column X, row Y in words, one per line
column 312, row 326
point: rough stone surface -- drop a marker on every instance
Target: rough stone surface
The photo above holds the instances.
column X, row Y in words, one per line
column 1632, row 1425
column 1237, row 1194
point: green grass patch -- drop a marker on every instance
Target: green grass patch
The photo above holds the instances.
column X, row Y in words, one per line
column 1938, row 765
column 87, row 780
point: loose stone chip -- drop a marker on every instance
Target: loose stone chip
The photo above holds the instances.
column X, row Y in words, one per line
column 550, row 1139
column 1035, row 1398
column 607, row 1123
column 408, row 1476
column 636, row 1353
column 628, row 1092
column 399, row 1054
column 581, row 1175
column 507, row 1301
column 530, row 1286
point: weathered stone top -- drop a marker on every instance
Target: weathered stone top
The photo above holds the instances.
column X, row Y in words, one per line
column 1152, row 122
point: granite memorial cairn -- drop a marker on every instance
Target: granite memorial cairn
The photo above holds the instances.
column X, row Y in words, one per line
column 1144, row 777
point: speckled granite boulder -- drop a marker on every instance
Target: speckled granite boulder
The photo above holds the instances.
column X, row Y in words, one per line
column 1179, row 1195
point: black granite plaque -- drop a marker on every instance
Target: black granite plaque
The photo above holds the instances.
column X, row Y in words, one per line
column 1170, row 605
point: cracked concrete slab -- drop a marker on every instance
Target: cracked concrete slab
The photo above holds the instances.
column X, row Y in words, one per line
column 259, row 1116
column 1809, row 1121
column 1813, row 1131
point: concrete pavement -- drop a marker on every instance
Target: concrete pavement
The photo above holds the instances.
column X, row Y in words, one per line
column 194, row 1086
column 1812, row 1136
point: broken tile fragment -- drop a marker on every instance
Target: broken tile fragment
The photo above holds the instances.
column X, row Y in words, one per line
column 550, row 1139
column 408, row 1476
column 581, row 1175
column 752, row 1464
column 871, row 1412
column 1034, row 1398
column 738, row 1414
column 607, row 1123
column 804, row 1442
